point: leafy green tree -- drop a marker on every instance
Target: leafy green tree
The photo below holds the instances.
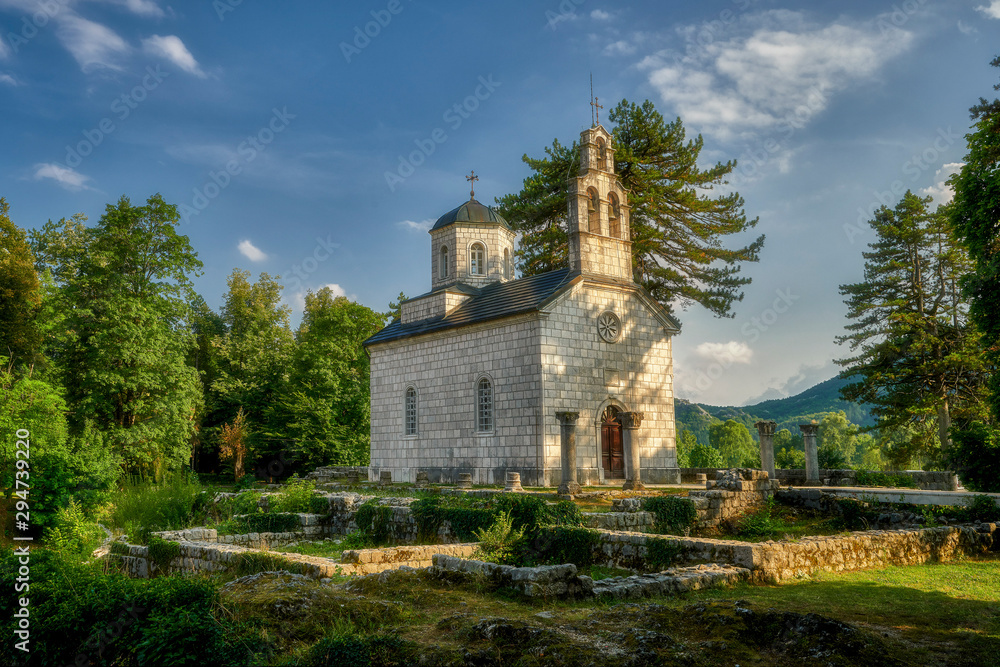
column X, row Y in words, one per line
column 788, row 458
column 838, row 434
column 677, row 226
column 252, row 356
column 686, row 442
column 123, row 288
column 396, row 308
column 916, row 357
column 974, row 214
column 705, row 456
column 733, row 442
column 326, row 414
column 20, row 297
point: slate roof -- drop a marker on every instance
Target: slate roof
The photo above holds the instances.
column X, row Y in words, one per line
column 492, row 302
column 470, row 211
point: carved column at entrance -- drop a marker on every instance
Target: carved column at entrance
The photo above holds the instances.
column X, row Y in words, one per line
column 766, row 432
column 567, row 441
column 809, row 434
column 630, row 423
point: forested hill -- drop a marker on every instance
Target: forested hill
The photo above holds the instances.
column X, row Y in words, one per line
column 788, row 412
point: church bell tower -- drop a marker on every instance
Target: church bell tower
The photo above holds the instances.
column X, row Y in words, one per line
column 599, row 234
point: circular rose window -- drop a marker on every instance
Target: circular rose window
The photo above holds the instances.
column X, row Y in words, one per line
column 609, row 326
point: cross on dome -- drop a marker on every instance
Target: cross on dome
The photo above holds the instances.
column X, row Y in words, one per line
column 472, row 178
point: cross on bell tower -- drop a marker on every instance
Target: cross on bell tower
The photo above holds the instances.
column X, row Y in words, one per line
column 597, row 110
column 472, row 178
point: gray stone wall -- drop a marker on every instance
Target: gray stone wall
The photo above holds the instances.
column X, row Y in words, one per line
column 583, row 373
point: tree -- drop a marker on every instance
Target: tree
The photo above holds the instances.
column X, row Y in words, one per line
column 677, row 228
column 234, row 443
column 974, row 214
column 734, row 443
column 123, row 290
column 20, row 298
column 916, row 357
column 686, row 443
column 838, row 436
column 396, row 308
column 704, row 456
column 326, row 414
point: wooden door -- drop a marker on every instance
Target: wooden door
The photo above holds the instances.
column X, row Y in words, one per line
column 612, row 454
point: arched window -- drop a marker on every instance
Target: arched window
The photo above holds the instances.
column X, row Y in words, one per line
column 477, row 260
column 484, row 406
column 444, row 261
column 593, row 211
column 602, row 154
column 410, row 412
column 614, row 216
column 507, row 271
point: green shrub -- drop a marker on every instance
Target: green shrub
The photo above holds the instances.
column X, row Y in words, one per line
column 465, row 518
column 319, row 505
column 373, row 521
column 174, row 505
column 566, row 513
column 705, row 456
column 981, row 508
column 854, row 514
column 72, row 533
column 253, row 562
column 661, row 553
column 262, row 522
column 671, row 514
column 499, row 542
column 559, row 544
column 351, row 650
column 760, row 523
column 875, row 478
column 162, row 552
column 295, row 497
column 76, row 610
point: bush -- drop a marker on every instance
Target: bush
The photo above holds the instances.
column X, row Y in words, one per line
column 253, row 562
column 661, row 553
column 373, row 520
column 80, row 615
column 71, row 533
column 981, row 508
column 296, row 497
column 499, row 543
column 705, row 456
column 162, row 552
column 351, row 650
column 874, row 478
column 261, row 523
column 559, row 544
column 177, row 504
column 671, row 514
column 760, row 523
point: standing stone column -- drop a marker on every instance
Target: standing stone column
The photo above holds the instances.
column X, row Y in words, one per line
column 630, row 425
column 766, row 431
column 809, row 434
column 567, row 441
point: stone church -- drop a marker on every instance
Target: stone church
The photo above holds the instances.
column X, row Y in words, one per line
column 487, row 373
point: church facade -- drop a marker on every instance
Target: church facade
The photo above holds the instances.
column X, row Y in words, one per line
column 473, row 374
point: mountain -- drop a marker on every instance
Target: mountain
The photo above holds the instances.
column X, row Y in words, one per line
column 788, row 412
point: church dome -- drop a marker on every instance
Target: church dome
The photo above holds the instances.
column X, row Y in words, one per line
column 470, row 211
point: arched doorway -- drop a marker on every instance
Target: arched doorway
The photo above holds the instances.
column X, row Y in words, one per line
column 612, row 453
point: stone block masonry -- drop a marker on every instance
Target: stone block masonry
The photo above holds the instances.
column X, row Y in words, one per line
column 732, row 494
column 774, row 562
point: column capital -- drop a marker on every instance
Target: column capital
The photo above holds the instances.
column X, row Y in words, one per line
column 765, row 428
column 567, row 418
column 809, row 430
column 632, row 420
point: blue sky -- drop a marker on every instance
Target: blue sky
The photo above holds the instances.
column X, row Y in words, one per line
column 318, row 140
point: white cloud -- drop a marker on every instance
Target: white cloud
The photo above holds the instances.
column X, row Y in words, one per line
column 941, row 191
column 410, row 225
column 335, row 289
column 620, row 48
column 251, row 252
column 65, row 177
column 733, row 352
column 172, row 48
column 142, row 7
column 993, row 11
column 7, row 78
column 92, row 44
column 966, row 29
column 785, row 69
column 600, row 15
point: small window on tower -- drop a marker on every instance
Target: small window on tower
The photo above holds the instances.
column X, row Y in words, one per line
column 602, row 154
column 477, row 260
column 444, row 261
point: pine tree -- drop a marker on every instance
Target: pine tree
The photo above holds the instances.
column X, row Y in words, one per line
column 677, row 227
column 916, row 358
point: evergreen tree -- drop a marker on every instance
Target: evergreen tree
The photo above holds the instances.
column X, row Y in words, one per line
column 677, row 228
column 916, row 357
column 974, row 215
